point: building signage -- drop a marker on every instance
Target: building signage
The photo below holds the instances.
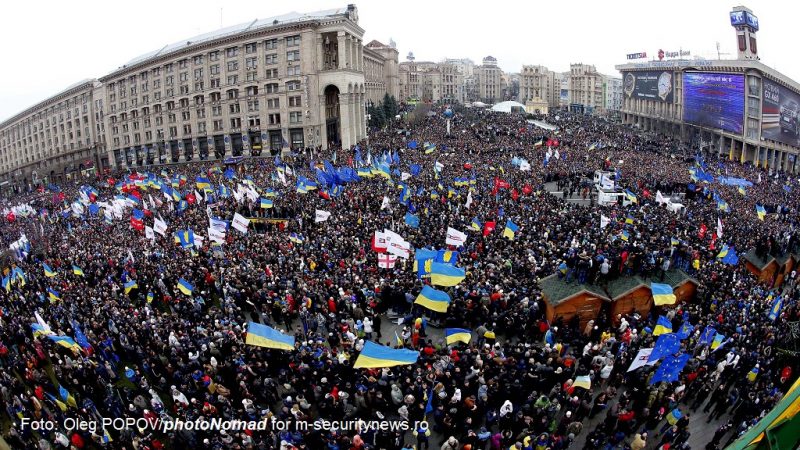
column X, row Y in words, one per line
column 649, row 85
column 714, row 100
column 670, row 54
column 640, row 55
column 780, row 114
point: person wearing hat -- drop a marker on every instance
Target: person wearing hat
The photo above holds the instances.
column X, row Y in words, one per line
column 451, row 444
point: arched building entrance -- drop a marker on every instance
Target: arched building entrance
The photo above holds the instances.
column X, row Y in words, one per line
column 333, row 120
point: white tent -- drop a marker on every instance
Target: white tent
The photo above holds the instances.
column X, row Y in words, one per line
column 506, row 107
column 479, row 104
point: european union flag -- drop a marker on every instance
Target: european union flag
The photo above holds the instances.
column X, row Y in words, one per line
column 412, row 145
column 414, row 169
column 229, row 173
column 667, row 344
column 670, row 368
column 412, row 220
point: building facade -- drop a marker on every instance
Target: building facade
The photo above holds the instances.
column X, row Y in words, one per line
column 489, row 81
column 291, row 81
column 536, row 83
column 613, row 94
column 750, row 124
column 585, row 88
column 428, row 81
column 55, row 139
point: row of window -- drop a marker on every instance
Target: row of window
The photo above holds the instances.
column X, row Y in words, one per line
column 295, row 118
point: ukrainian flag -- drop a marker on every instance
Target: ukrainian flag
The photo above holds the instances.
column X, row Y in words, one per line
column 61, row 405
column 432, row 299
column 203, row 182
column 752, row 375
column 446, row 275
column 429, row 148
column 742, row 191
column 39, row 330
column 376, row 356
column 629, row 220
column 18, row 274
column 270, row 193
column 264, row 336
column 365, row 173
column 176, row 196
column 510, row 231
column 434, row 195
column 675, row 242
column 718, row 338
column 65, row 341
column 296, row 238
column 185, row 287
column 631, row 196
column 723, row 252
column 53, row 295
column 453, row 335
column 427, row 257
column 48, row 272
column 66, row 396
column 476, row 224
column 150, row 297
column 761, row 212
column 266, row 203
column 77, row 270
column 663, row 326
column 583, row 381
column 7, row 283
column 662, row 294
column 625, row 235
column 130, row 285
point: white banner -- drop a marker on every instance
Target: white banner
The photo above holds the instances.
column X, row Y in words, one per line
column 604, row 221
column 455, row 237
column 641, row 359
column 241, row 223
column 404, row 176
column 385, row 203
column 160, row 227
column 148, row 233
column 216, row 235
column 321, row 216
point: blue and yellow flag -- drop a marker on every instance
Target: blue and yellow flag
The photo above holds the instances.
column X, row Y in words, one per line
column 432, row 299
column 631, row 196
column 185, row 238
column 203, row 182
column 446, row 275
column 77, row 270
column 761, row 212
column 718, row 341
column 185, row 287
column 775, row 309
column 476, row 224
column 447, row 257
column 453, row 335
column 296, row 238
column 130, row 285
column 53, row 295
column 376, row 356
column 263, row 336
column 625, row 236
column 510, row 231
column 429, row 148
column 662, row 294
column 662, row 326
column 266, row 203
column 65, row 341
column 423, row 259
column 7, row 283
column 150, row 297
column 412, row 220
column 583, row 381
column 66, row 396
column 48, row 271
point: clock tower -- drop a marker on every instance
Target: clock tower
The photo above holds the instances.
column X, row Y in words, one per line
column 746, row 25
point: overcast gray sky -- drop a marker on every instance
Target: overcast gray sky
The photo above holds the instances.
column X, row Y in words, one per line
column 48, row 45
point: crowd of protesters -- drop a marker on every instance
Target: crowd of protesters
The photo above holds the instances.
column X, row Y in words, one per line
column 159, row 354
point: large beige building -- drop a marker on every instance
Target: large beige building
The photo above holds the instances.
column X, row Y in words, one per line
column 431, row 82
column 62, row 136
column 489, row 81
column 585, row 88
column 291, row 81
column 537, row 82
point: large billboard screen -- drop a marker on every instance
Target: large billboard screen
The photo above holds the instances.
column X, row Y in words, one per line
column 714, row 100
column 650, row 85
column 780, row 114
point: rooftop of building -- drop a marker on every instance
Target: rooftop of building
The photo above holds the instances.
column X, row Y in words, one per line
column 257, row 24
column 712, row 65
column 73, row 87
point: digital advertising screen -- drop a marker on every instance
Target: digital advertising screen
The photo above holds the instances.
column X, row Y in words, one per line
column 714, row 100
column 780, row 114
column 649, row 85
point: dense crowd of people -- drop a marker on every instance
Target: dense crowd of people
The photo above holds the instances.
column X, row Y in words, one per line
column 147, row 349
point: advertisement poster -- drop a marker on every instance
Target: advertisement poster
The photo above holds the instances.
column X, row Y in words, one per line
column 780, row 114
column 714, row 100
column 649, row 85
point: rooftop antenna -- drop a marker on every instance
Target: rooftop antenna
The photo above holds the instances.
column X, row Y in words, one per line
column 719, row 54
